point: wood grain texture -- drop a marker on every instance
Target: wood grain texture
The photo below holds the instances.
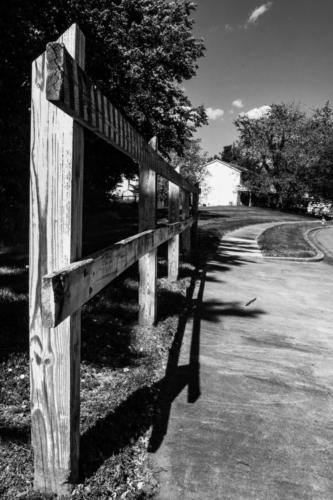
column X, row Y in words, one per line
column 147, row 220
column 173, row 244
column 65, row 77
column 68, row 289
column 56, row 168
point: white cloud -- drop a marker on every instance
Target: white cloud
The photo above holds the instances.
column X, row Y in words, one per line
column 253, row 17
column 238, row 103
column 255, row 113
column 228, row 28
column 214, row 114
column 258, row 12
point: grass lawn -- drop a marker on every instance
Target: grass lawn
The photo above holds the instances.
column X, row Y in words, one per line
column 287, row 240
column 123, row 368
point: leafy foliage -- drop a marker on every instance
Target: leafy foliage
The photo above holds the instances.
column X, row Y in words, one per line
column 230, row 154
column 287, row 153
column 192, row 162
column 271, row 147
column 138, row 51
column 319, row 174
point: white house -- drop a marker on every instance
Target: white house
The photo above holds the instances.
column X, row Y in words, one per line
column 127, row 190
column 222, row 184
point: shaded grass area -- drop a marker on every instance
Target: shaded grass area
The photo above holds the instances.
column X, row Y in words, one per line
column 287, row 240
column 121, row 365
column 124, row 369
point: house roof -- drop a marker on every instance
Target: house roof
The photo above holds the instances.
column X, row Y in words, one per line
column 230, row 165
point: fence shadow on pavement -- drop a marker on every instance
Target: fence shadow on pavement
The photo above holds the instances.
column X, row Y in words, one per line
column 141, row 411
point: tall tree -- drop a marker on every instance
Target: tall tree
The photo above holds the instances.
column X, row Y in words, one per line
column 138, row 51
column 230, row 154
column 319, row 174
column 191, row 164
column 273, row 148
column 192, row 161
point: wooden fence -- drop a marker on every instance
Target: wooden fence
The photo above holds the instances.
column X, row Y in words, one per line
column 64, row 101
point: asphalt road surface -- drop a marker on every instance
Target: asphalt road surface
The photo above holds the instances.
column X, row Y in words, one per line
column 248, row 404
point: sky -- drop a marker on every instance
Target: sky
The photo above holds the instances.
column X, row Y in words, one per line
column 259, row 53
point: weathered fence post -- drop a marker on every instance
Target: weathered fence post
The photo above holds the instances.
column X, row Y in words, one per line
column 56, row 168
column 173, row 245
column 148, row 263
column 186, row 235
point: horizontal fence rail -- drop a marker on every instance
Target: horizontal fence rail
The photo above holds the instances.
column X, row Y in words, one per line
column 65, row 291
column 69, row 88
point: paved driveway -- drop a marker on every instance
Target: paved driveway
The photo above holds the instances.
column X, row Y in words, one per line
column 256, row 419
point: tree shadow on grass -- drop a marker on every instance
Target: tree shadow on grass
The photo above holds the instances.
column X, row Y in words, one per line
column 13, row 310
column 15, row 434
column 108, row 319
column 206, row 214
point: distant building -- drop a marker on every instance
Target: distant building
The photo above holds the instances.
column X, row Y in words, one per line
column 127, row 190
column 222, row 184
